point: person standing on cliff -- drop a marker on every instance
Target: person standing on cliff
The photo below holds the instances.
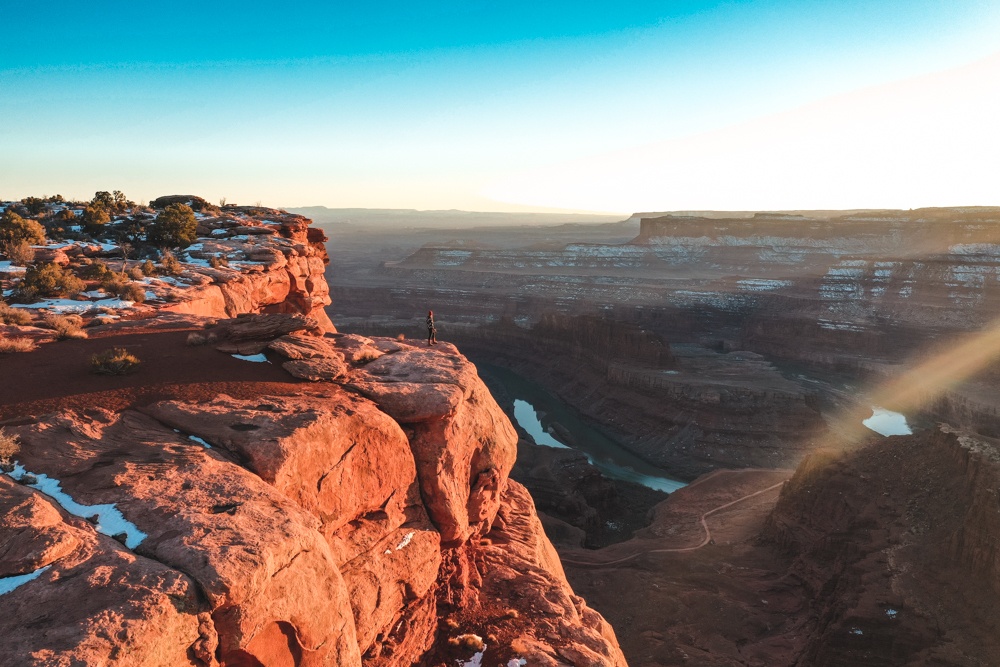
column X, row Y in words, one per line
column 431, row 330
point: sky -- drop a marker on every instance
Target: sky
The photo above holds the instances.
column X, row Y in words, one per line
column 579, row 106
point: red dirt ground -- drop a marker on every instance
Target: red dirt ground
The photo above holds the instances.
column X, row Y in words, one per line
column 57, row 375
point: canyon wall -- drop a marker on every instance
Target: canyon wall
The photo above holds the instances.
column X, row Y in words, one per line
column 896, row 545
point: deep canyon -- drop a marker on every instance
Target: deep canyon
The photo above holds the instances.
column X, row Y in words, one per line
column 707, row 343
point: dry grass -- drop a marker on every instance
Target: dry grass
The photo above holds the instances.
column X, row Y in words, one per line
column 65, row 326
column 16, row 316
column 367, row 356
column 195, row 338
column 116, row 361
column 9, row 446
column 19, row 254
column 14, row 345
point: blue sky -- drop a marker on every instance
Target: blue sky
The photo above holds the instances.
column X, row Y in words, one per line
column 469, row 105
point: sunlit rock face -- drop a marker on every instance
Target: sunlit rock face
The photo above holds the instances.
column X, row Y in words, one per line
column 338, row 524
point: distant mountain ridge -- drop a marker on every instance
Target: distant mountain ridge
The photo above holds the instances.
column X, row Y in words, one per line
column 403, row 217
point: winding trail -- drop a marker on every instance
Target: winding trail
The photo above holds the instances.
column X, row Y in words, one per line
column 704, row 524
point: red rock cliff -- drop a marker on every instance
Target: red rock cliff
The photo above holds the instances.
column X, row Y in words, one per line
column 367, row 520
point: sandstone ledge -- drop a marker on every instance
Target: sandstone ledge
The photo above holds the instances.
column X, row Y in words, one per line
column 366, row 520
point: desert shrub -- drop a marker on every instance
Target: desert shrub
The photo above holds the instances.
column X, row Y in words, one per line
column 15, row 229
column 123, row 287
column 67, row 217
column 196, row 338
column 47, row 280
column 94, row 218
column 169, row 264
column 116, row 361
column 133, row 292
column 217, row 261
column 114, row 282
column 115, row 201
column 14, row 316
column 19, row 253
column 148, row 268
column 135, row 273
column 9, row 446
column 16, row 344
column 34, row 205
column 95, row 270
column 101, row 320
column 65, row 326
column 367, row 356
column 175, row 227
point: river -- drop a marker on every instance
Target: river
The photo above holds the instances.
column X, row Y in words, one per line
column 537, row 412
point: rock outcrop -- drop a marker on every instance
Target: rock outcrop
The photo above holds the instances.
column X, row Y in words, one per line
column 272, row 265
column 366, row 520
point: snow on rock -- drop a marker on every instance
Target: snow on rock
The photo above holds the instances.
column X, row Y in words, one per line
column 7, row 584
column 258, row 358
column 110, row 520
column 405, row 541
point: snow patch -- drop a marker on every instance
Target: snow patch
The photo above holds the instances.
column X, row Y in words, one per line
column 7, row 584
column 258, row 358
column 110, row 520
column 63, row 306
column 405, row 541
column 477, row 659
column 199, row 441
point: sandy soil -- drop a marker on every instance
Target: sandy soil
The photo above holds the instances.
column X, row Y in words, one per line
column 57, row 375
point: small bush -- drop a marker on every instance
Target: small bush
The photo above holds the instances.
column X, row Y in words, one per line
column 218, row 261
column 169, row 264
column 65, row 326
column 14, row 229
column 367, row 356
column 148, row 268
column 114, row 283
column 14, row 316
column 96, row 270
column 9, row 446
column 133, row 292
column 195, row 338
column 15, row 345
column 94, row 218
column 19, row 253
column 135, row 273
column 47, row 280
column 116, row 361
column 174, row 227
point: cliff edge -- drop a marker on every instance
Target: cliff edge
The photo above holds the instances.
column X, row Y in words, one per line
column 264, row 491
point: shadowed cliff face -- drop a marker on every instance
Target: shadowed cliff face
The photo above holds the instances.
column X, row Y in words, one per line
column 883, row 555
column 895, row 544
